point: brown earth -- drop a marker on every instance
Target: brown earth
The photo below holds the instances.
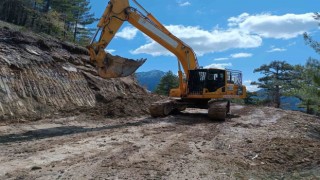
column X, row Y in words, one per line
column 253, row 143
column 42, row 77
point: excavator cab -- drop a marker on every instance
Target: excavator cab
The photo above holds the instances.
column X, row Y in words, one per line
column 209, row 79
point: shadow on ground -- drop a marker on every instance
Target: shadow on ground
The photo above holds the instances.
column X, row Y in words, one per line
column 178, row 119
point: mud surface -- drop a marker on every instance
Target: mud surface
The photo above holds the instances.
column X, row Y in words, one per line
column 253, row 143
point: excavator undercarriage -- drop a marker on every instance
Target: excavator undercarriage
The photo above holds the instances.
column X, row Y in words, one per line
column 205, row 89
column 217, row 109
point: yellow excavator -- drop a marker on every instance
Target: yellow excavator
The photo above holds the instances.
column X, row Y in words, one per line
column 198, row 88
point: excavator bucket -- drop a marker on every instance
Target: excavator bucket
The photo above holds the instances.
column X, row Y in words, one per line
column 116, row 66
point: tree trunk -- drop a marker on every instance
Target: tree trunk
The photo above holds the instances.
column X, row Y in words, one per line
column 277, row 97
column 33, row 14
column 309, row 110
column 76, row 28
column 25, row 18
column 75, row 32
column 47, row 7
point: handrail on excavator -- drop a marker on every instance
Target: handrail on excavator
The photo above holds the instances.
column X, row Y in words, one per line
column 139, row 5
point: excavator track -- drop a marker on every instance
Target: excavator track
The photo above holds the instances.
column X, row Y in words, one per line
column 161, row 108
column 166, row 107
column 218, row 110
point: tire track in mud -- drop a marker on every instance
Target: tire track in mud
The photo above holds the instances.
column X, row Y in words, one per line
column 163, row 138
column 183, row 146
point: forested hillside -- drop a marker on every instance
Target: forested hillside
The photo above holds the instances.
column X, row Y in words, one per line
column 60, row 18
column 150, row 79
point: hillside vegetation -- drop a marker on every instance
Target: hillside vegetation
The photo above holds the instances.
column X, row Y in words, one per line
column 59, row 18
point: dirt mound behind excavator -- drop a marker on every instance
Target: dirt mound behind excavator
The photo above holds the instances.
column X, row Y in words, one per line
column 43, row 76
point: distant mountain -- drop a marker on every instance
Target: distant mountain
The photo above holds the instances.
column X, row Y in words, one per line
column 291, row 103
column 287, row 103
column 150, row 79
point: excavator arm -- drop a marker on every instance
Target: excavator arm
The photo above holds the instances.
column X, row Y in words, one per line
column 113, row 17
column 110, row 22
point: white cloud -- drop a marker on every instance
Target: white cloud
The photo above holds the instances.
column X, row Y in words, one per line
column 153, row 49
column 292, row 44
column 111, row 51
column 235, row 21
column 128, row 33
column 218, row 65
column 241, row 55
column 243, row 31
column 221, row 59
column 203, row 41
column 251, row 88
column 247, row 81
column 272, row 26
column 274, row 49
column 200, row 12
column 187, row 3
column 234, row 56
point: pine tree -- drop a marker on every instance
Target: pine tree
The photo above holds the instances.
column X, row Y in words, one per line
column 316, row 74
column 82, row 17
column 167, row 82
column 276, row 80
column 61, row 18
column 15, row 11
column 305, row 88
column 251, row 98
column 47, row 5
column 65, row 10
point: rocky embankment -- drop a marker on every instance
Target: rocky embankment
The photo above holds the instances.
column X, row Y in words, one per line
column 42, row 76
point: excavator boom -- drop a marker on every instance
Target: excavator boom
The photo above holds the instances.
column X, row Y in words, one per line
column 119, row 11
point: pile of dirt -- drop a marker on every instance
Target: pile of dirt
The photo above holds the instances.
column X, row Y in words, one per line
column 42, row 76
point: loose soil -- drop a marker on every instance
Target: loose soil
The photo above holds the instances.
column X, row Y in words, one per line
column 253, row 143
column 42, row 77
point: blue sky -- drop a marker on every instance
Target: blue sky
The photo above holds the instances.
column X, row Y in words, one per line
column 234, row 34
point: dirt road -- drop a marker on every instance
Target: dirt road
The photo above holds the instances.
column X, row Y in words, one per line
column 253, row 143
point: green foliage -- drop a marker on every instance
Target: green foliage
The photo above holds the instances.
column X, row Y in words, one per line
column 60, row 18
column 251, row 98
column 317, row 83
column 167, row 82
column 82, row 17
column 309, row 91
column 277, row 79
column 307, row 87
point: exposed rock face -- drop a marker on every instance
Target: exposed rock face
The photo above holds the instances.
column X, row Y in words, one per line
column 41, row 76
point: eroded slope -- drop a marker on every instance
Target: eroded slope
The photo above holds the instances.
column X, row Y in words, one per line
column 42, row 76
